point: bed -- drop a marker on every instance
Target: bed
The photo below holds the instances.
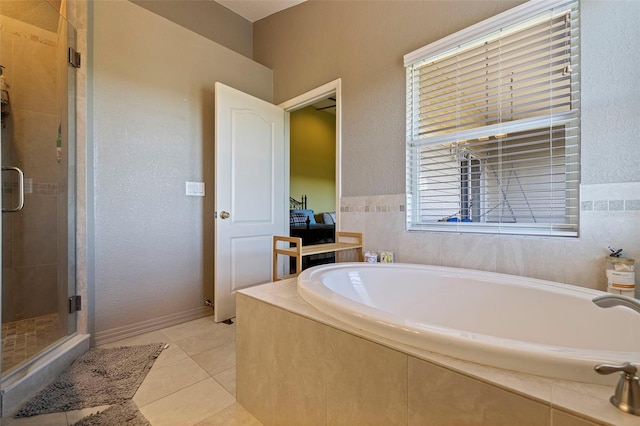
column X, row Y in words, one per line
column 313, row 228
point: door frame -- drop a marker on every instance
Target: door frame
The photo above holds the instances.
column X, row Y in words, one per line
column 332, row 88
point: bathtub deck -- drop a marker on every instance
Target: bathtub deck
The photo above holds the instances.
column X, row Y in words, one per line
column 566, row 402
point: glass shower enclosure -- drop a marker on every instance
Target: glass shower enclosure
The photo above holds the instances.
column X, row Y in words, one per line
column 38, row 179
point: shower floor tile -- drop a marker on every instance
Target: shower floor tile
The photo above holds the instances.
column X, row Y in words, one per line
column 25, row 338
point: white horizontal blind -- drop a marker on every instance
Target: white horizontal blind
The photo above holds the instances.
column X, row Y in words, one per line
column 493, row 131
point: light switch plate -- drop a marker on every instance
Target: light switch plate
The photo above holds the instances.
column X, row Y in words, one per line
column 195, row 189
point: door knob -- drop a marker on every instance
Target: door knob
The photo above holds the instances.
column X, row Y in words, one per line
column 224, row 215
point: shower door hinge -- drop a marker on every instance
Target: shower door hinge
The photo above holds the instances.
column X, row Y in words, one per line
column 75, row 304
column 74, row 58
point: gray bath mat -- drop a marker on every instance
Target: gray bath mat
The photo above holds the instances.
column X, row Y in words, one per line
column 119, row 414
column 99, row 377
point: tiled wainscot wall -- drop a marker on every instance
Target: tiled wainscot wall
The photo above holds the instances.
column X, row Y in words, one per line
column 610, row 215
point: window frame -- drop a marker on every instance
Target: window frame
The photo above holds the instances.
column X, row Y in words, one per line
column 514, row 19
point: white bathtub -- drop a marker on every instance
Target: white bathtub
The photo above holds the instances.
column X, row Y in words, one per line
column 516, row 323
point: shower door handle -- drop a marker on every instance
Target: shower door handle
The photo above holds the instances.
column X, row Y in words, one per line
column 20, row 189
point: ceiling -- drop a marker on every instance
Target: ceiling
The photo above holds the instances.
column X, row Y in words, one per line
column 254, row 10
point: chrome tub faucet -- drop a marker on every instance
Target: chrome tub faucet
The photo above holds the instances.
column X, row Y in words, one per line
column 627, row 395
column 609, row 300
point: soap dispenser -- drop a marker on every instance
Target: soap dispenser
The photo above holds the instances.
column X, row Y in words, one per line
column 620, row 274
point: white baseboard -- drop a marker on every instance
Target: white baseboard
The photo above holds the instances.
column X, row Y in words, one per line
column 130, row 330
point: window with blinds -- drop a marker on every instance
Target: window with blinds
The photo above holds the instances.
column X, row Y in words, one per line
column 493, row 125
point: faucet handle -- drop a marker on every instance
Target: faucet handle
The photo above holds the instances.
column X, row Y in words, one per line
column 627, row 395
column 626, row 368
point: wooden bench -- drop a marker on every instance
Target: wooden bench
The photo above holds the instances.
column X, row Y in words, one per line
column 294, row 248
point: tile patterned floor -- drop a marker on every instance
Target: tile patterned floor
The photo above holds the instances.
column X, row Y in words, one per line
column 25, row 338
column 191, row 383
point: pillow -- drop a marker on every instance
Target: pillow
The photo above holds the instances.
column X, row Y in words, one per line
column 329, row 218
column 297, row 219
column 307, row 213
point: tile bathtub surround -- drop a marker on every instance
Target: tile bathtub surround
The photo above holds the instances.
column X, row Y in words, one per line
column 362, row 376
column 610, row 215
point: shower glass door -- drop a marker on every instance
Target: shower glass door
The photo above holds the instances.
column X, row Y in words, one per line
column 38, row 179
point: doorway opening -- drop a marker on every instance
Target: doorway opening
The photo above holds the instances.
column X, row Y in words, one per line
column 314, row 161
column 323, row 101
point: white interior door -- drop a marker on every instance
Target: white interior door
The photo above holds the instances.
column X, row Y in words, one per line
column 250, row 192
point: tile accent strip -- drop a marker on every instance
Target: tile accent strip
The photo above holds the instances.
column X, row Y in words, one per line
column 373, row 209
column 610, row 205
column 389, row 203
column 611, row 197
column 35, row 188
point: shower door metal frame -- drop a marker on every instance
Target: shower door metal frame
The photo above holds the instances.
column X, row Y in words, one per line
column 66, row 107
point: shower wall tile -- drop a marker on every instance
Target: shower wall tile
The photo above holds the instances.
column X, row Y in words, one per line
column 33, row 293
column 7, row 239
column 34, row 232
column 443, row 397
column 35, row 145
column 33, row 53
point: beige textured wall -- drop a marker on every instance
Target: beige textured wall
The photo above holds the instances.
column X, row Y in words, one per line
column 610, row 91
column 207, row 18
column 363, row 43
column 152, row 130
column 313, row 158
